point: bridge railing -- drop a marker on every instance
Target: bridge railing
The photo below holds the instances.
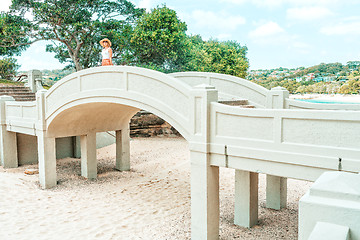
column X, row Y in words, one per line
column 232, row 88
column 294, row 104
column 21, row 117
column 290, row 143
column 229, row 87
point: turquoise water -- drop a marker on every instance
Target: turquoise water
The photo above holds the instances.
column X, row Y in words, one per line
column 324, row 101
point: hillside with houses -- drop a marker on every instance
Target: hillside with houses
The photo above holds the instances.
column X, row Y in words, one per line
column 322, row 78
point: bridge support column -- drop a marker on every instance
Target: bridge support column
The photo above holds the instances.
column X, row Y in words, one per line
column 276, row 192
column 8, row 143
column 9, row 155
column 246, row 198
column 123, row 149
column 205, row 211
column 88, row 156
column 47, row 161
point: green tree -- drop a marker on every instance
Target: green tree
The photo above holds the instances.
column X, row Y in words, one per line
column 319, row 87
column 354, row 65
column 351, row 86
column 14, row 34
column 301, row 89
column 158, row 40
column 310, row 88
column 227, row 57
column 290, row 85
column 333, row 87
column 75, row 27
column 8, row 68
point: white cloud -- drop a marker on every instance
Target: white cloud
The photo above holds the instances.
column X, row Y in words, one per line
column 308, row 13
column 221, row 21
column 5, row 4
column 300, row 47
column 350, row 26
column 267, row 29
column 275, row 3
column 271, row 34
column 239, row 2
column 223, row 36
column 259, row 3
column 145, row 4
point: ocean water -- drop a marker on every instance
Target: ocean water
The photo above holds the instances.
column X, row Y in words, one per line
column 324, row 101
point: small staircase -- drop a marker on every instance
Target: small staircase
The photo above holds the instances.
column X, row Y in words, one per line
column 20, row 93
column 243, row 103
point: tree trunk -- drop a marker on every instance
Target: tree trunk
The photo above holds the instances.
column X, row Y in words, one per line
column 77, row 64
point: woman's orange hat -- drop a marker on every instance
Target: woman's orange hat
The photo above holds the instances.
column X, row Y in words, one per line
column 105, row 40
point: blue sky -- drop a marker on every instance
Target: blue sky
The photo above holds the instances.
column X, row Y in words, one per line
column 278, row 33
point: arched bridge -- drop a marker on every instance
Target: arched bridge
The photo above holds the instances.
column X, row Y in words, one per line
column 279, row 137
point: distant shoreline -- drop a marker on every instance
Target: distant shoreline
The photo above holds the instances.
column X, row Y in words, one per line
column 333, row 97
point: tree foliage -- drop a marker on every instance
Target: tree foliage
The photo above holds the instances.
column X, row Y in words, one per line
column 227, row 57
column 352, row 86
column 154, row 40
column 8, row 68
column 14, row 33
column 75, row 26
column 158, row 40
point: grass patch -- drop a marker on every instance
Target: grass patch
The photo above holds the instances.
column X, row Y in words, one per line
column 9, row 82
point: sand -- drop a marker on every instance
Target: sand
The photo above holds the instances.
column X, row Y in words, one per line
column 152, row 201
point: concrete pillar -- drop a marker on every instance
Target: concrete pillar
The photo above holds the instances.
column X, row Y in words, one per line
column 246, row 198
column 46, row 146
column 123, row 150
column 34, row 80
column 8, row 145
column 276, row 98
column 77, row 147
column 47, row 161
column 88, row 156
column 276, row 192
column 276, row 187
column 205, row 212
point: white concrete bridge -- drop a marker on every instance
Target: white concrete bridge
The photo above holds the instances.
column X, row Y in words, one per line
column 281, row 137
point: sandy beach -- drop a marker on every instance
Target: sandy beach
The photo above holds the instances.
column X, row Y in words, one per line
column 152, row 201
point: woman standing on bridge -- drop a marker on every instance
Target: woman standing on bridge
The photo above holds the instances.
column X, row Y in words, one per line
column 106, row 52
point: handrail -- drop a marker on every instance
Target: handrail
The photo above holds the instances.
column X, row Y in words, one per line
column 229, row 87
column 295, row 104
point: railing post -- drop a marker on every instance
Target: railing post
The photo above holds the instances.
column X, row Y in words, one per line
column 46, row 146
column 276, row 98
column 34, row 80
column 205, row 212
column 276, row 187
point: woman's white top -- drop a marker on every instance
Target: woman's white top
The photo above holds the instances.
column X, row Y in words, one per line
column 105, row 53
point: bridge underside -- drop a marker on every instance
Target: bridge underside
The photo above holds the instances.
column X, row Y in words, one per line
column 91, row 117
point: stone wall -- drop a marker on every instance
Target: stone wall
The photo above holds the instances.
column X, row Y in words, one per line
column 146, row 124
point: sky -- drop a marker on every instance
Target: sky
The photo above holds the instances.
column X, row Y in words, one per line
column 277, row 33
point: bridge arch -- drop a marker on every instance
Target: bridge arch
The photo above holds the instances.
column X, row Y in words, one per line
column 105, row 98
